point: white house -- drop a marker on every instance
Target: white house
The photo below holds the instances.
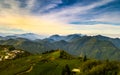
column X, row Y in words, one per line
column 75, row 70
column 0, row 59
column 6, row 57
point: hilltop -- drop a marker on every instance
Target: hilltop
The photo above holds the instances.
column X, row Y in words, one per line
column 8, row 52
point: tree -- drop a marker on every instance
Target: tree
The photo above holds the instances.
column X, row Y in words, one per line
column 85, row 58
column 11, row 48
column 66, row 70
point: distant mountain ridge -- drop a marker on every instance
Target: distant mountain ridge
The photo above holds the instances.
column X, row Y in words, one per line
column 115, row 41
column 65, row 38
column 30, row 36
column 99, row 46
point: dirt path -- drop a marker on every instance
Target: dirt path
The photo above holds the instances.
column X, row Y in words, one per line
column 27, row 71
column 30, row 69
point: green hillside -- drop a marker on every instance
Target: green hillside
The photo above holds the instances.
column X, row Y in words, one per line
column 8, row 52
column 57, row 62
column 95, row 48
column 25, row 44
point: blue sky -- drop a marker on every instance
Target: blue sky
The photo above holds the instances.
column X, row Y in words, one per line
column 91, row 17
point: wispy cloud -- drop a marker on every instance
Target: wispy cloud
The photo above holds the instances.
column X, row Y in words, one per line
column 10, row 30
column 110, row 17
column 54, row 17
column 74, row 11
column 104, row 29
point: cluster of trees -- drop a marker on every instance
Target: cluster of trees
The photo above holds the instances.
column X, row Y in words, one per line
column 65, row 55
column 9, row 47
column 50, row 51
column 94, row 67
column 66, row 70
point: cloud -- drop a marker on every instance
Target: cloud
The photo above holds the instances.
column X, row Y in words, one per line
column 9, row 30
column 110, row 17
column 104, row 29
column 33, row 24
column 15, row 19
column 13, row 8
column 30, row 4
column 75, row 12
column 46, row 26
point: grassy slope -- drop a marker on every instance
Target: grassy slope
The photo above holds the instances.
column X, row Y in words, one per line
column 11, row 67
column 49, row 64
column 52, row 65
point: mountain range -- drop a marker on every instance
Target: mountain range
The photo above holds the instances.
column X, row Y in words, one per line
column 100, row 47
column 30, row 36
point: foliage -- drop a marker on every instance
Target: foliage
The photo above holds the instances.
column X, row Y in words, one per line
column 66, row 70
column 84, row 58
column 9, row 47
column 41, row 64
column 65, row 55
column 100, row 68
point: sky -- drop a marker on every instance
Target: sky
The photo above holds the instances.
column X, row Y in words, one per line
column 48, row 17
